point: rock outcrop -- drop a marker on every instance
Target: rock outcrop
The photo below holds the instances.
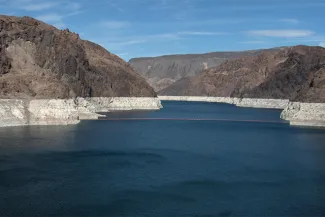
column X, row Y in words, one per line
column 227, row 100
column 246, row 102
column 14, row 112
column 263, row 103
column 305, row 114
column 104, row 104
column 295, row 73
column 161, row 72
column 39, row 61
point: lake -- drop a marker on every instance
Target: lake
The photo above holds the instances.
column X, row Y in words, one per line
column 189, row 159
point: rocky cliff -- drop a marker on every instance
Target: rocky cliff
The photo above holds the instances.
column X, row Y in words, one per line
column 39, row 61
column 305, row 114
column 160, row 72
column 295, row 73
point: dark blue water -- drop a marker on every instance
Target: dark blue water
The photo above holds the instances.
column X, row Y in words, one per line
column 165, row 168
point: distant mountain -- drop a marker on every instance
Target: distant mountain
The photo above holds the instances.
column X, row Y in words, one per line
column 160, row 72
column 295, row 73
column 39, row 61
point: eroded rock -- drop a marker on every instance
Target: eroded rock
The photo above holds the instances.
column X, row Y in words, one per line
column 39, row 61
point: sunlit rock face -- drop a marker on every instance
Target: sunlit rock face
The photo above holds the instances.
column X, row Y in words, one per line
column 40, row 61
column 294, row 73
column 67, row 111
column 305, row 114
column 161, row 72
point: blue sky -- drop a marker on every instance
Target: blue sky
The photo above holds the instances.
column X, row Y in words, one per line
column 136, row 28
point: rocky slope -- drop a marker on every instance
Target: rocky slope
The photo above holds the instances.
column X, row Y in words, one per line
column 160, row 72
column 295, row 73
column 39, row 61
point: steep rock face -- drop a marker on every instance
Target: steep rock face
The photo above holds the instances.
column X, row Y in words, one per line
column 161, row 72
column 295, row 73
column 301, row 77
column 305, row 114
column 39, row 61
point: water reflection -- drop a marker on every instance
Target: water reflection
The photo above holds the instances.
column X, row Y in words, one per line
column 37, row 138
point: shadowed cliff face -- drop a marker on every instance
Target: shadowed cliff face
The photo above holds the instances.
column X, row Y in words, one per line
column 160, row 72
column 40, row 61
column 296, row 73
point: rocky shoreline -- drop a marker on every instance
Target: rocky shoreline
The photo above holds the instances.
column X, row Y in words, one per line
column 296, row 113
column 21, row 112
column 305, row 114
column 245, row 102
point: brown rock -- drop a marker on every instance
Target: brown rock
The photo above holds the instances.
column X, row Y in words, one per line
column 161, row 72
column 295, row 73
column 40, row 61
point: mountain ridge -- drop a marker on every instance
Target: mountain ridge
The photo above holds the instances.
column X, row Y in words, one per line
column 41, row 61
column 296, row 73
column 162, row 71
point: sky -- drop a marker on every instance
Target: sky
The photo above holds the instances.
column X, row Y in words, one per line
column 145, row 28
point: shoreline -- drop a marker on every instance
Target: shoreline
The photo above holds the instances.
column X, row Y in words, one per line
column 244, row 102
column 296, row 113
column 27, row 112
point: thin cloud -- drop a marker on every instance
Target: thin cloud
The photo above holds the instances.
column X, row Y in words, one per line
column 322, row 44
column 114, row 24
column 60, row 25
column 57, row 19
column 122, row 54
column 251, row 42
column 120, row 43
column 35, row 5
column 318, row 39
column 178, row 35
column 160, row 5
column 281, row 33
column 180, row 10
column 54, row 19
column 290, row 21
column 73, row 6
column 201, row 33
column 39, row 6
column 142, row 38
column 117, row 45
column 51, row 17
column 260, row 5
column 138, row 40
column 115, row 6
column 130, row 42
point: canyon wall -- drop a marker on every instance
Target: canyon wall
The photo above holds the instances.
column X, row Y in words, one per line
column 161, row 72
column 39, row 61
column 294, row 73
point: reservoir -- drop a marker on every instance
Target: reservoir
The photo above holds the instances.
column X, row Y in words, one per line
column 188, row 159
